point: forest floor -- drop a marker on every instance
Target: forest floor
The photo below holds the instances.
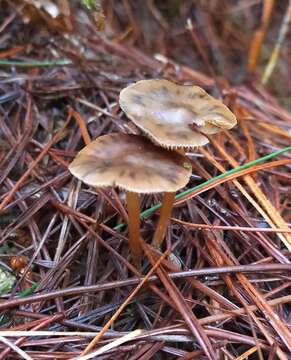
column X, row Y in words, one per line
column 68, row 285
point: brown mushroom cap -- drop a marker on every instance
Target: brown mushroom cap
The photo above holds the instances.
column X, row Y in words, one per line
column 131, row 162
column 167, row 112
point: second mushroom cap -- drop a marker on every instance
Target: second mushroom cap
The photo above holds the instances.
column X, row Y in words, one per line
column 131, row 162
column 175, row 115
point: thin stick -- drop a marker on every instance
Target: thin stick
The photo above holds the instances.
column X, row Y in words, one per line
column 133, row 208
column 247, row 353
column 82, row 125
column 234, row 228
column 165, row 213
column 106, row 327
column 276, row 51
column 125, row 338
column 15, row 348
column 259, row 35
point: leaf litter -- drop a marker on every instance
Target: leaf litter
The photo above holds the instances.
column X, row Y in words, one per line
column 227, row 294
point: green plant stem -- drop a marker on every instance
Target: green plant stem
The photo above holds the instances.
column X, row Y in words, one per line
column 180, row 196
column 28, row 291
column 34, row 63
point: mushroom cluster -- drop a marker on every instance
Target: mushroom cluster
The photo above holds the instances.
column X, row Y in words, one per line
column 132, row 163
column 177, row 117
column 173, row 117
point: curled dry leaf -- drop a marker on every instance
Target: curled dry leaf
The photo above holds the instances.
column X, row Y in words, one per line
column 56, row 14
column 18, row 263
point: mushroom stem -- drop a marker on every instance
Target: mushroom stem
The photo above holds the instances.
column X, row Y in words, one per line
column 133, row 208
column 165, row 213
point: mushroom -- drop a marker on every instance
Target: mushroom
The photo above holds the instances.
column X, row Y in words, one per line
column 174, row 116
column 167, row 112
column 135, row 164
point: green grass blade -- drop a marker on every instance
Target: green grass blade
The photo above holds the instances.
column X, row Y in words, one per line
column 34, row 63
column 260, row 160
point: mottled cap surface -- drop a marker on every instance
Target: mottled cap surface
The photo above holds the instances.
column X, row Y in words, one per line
column 131, row 162
column 175, row 115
